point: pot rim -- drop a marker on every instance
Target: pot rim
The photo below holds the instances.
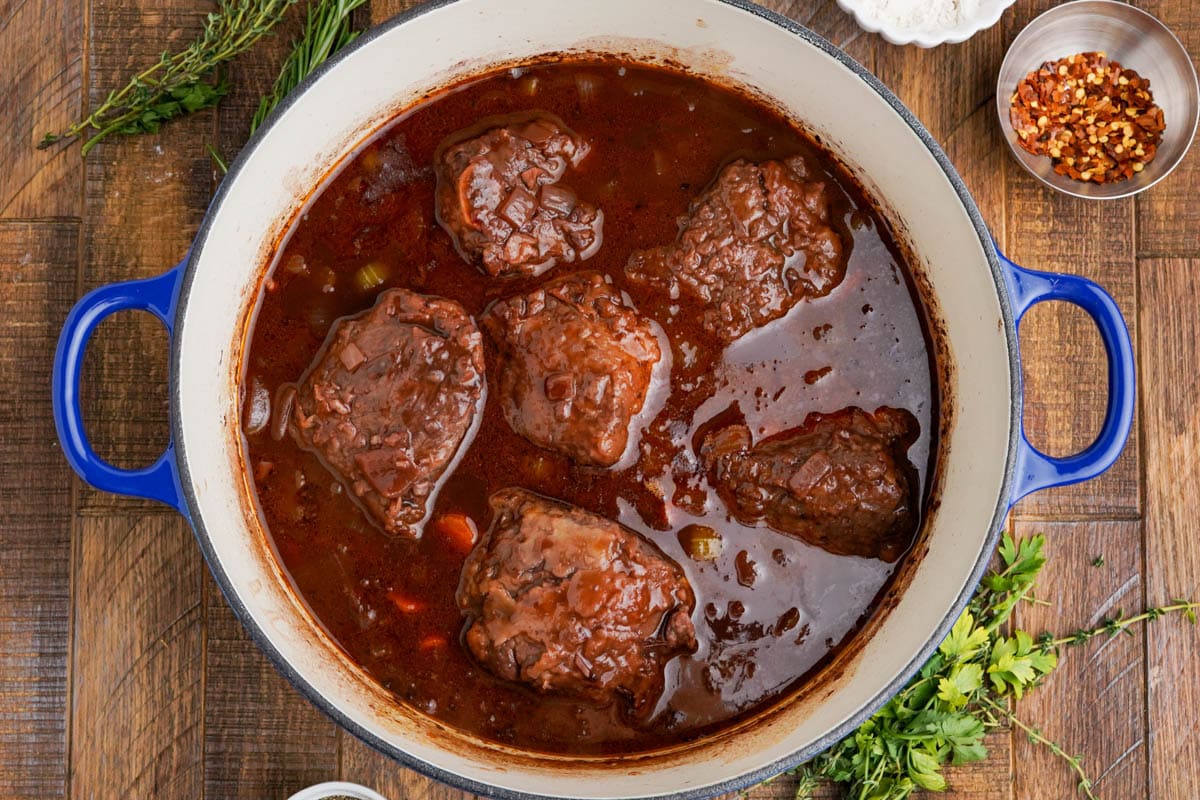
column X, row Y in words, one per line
column 734, row 783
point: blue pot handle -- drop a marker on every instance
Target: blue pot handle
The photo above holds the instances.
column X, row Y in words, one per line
column 1034, row 469
column 159, row 296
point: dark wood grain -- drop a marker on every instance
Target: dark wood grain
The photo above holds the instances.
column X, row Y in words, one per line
column 41, row 48
column 950, row 90
column 1170, row 359
column 1167, row 215
column 362, row 764
column 144, row 198
column 137, row 658
column 1093, row 704
column 261, row 738
column 37, row 283
column 991, row 779
column 383, row 10
column 1063, row 412
column 254, row 77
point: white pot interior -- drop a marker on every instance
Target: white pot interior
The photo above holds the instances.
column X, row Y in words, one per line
column 732, row 45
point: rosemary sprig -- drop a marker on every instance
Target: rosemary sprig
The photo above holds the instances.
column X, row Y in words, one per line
column 326, row 30
column 180, row 83
column 962, row 692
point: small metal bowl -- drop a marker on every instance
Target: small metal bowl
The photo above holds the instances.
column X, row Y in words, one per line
column 1128, row 35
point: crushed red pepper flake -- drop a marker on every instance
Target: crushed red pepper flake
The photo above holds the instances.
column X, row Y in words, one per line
column 1095, row 119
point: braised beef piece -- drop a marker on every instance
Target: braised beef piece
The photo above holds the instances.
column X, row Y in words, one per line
column 389, row 399
column 568, row 602
column 499, row 197
column 754, row 244
column 840, row 481
column 575, row 365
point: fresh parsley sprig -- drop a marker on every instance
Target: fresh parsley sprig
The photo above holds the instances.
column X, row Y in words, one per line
column 179, row 83
column 962, row 692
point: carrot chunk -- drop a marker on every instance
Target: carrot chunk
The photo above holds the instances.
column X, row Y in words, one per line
column 458, row 530
column 406, row 604
column 432, row 642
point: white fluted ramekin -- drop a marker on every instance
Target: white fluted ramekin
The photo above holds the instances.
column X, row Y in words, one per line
column 988, row 15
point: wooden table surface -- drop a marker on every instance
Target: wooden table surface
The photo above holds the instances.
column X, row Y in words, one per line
column 123, row 673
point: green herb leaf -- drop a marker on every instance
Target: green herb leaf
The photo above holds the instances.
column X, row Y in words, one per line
column 965, row 638
column 1016, row 664
column 925, row 771
column 956, row 689
column 179, row 83
column 961, row 692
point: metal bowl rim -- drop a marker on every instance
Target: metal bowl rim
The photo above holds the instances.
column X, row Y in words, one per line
column 1031, row 30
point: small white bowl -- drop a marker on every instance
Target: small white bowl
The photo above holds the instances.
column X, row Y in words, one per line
column 986, row 15
column 321, row 791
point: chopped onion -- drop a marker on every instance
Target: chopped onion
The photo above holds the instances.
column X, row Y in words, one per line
column 319, row 315
column 257, row 410
column 285, row 398
column 587, row 85
column 296, row 265
column 371, row 160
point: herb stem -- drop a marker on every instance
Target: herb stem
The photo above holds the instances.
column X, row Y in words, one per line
column 326, row 30
column 1118, row 624
column 1035, row 736
column 180, row 83
column 942, row 716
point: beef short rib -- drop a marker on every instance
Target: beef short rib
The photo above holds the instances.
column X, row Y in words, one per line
column 568, row 602
column 841, row 481
column 500, row 198
column 576, row 363
column 389, row 399
column 752, row 246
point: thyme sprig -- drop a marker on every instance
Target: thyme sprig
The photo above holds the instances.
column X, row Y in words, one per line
column 327, row 29
column 179, row 83
column 963, row 691
column 1034, row 735
column 1119, row 623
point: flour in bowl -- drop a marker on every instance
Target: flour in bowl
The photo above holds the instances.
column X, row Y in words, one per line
column 925, row 16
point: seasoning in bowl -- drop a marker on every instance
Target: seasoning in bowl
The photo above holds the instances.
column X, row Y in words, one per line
column 1095, row 119
column 922, row 16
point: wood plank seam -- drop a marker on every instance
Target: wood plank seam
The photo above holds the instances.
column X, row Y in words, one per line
column 85, row 50
column 1144, row 444
column 204, row 598
column 36, row 263
column 46, row 220
column 1041, row 515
